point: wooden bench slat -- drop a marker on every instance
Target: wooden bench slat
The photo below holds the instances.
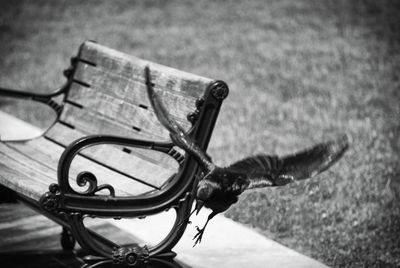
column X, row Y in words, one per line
column 95, row 123
column 129, row 164
column 167, row 78
column 112, row 84
column 15, row 178
column 44, row 151
column 126, row 114
column 131, row 91
column 22, row 175
column 39, row 174
column 66, row 136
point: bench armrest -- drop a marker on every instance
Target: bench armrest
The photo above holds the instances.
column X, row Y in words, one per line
column 78, row 145
column 63, row 200
column 46, row 98
column 14, row 93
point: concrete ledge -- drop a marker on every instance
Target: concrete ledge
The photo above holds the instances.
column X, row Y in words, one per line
column 225, row 244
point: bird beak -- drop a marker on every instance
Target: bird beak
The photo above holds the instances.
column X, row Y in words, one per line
column 199, row 205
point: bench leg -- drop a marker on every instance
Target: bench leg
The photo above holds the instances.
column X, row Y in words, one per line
column 67, row 240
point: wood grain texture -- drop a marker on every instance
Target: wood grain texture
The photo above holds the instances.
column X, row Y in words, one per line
column 23, row 175
column 107, row 120
column 129, row 90
column 130, row 165
column 110, row 85
column 164, row 77
column 30, row 167
column 66, row 136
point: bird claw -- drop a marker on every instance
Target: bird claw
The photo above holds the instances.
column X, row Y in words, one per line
column 198, row 236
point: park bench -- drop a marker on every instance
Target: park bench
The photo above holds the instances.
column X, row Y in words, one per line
column 106, row 155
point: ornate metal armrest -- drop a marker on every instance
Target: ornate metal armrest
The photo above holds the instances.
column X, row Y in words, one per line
column 74, row 206
column 64, row 188
column 86, row 177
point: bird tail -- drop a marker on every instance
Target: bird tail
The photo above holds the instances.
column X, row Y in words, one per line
column 312, row 161
column 160, row 111
column 177, row 134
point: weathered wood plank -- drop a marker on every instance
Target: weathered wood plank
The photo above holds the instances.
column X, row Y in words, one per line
column 65, row 136
column 26, row 180
column 167, row 78
column 126, row 185
column 42, row 170
column 32, row 178
column 131, row 92
column 112, row 83
column 96, row 123
column 129, row 164
column 75, row 131
column 125, row 113
column 108, row 155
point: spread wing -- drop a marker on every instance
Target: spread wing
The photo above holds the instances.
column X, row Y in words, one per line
column 265, row 170
column 177, row 134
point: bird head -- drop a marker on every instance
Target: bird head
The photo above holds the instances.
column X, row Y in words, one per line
column 217, row 190
column 206, row 190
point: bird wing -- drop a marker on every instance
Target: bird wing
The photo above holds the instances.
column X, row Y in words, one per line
column 177, row 134
column 265, row 170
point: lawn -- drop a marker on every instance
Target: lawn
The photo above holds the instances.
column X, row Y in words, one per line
column 299, row 72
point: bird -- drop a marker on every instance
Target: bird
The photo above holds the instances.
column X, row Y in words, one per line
column 220, row 187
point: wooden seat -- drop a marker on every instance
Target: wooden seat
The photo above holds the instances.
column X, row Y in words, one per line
column 34, row 165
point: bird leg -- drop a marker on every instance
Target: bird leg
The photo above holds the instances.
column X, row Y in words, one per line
column 198, row 207
column 185, row 219
column 200, row 232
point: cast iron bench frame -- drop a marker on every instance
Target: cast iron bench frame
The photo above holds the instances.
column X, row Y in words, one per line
column 69, row 207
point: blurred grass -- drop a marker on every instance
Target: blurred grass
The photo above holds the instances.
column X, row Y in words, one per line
column 299, row 72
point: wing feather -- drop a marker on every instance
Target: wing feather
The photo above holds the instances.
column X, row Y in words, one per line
column 266, row 170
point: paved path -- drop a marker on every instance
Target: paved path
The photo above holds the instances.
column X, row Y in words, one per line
column 225, row 244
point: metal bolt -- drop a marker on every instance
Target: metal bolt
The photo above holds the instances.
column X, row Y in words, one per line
column 131, row 259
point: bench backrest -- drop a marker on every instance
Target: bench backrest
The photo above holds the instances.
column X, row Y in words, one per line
column 108, row 95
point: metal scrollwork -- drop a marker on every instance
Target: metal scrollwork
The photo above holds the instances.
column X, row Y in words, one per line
column 220, row 90
column 193, row 116
column 50, row 200
column 70, row 71
column 135, row 256
column 86, row 177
